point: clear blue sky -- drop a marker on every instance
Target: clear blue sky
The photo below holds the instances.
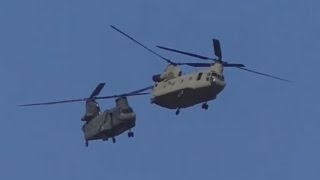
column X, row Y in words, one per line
column 258, row 128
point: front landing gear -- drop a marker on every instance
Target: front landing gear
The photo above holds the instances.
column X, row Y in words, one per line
column 87, row 143
column 130, row 134
column 205, row 106
column 178, row 111
column 113, row 140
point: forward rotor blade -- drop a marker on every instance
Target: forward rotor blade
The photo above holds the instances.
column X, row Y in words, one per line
column 141, row 90
column 56, row 102
column 97, row 90
column 121, row 95
column 196, row 64
column 145, row 47
column 132, row 93
column 263, row 74
column 225, row 64
column 100, row 86
column 217, row 48
column 186, row 53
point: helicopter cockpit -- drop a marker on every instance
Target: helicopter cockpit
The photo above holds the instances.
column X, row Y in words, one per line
column 218, row 76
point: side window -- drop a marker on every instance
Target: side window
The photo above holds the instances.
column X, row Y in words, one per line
column 199, row 76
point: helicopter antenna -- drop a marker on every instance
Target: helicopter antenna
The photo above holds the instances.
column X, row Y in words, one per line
column 94, row 96
column 153, row 52
column 218, row 53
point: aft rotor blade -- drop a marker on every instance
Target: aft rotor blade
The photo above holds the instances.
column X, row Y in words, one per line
column 217, row 48
column 263, row 74
column 145, row 47
column 97, row 90
column 186, row 53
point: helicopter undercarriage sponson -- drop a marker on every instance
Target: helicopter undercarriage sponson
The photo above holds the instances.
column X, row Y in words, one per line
column 112, row 133
column 186, row 98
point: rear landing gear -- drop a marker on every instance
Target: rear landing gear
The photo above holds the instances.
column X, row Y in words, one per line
column 113, row 140
column 87, row 143
column 205, row 106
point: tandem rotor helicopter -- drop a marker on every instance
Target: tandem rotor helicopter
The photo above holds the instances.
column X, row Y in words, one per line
column 108, row 124
column 173, row 90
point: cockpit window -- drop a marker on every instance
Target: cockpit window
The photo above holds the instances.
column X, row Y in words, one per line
column 214, row 74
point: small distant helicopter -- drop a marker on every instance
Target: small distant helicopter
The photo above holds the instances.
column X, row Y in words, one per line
column 108, row 124
column 173, row 90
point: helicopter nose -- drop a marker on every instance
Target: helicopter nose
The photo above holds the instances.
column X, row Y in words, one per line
column 213, row 79
column 217, row 82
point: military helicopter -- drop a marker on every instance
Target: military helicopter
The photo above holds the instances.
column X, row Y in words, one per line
column 173, row 90
column 108, row 124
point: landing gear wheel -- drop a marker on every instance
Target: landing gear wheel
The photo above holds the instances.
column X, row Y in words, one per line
column 130, row 134
column 87, row 143
column 205, row 106
column 114, row 140
column 178, row 111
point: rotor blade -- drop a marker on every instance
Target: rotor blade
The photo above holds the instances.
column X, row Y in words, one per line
column 186, row 53
column 217, row 48
column 196, row 64
column 141, row 90
column 56, row 102
column 145, row 47
column 97, row 90
column 133, row 93
column 225, row 64
column 263, row 74
column 121, row 95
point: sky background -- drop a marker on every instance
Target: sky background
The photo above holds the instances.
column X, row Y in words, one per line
column 257, row 128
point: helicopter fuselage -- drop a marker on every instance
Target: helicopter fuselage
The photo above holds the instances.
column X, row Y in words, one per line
column 188, row 90
column 109, row 124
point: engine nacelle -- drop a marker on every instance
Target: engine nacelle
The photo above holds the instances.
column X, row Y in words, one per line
column 92, row 110
column 157, row 78
column 122, row 102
